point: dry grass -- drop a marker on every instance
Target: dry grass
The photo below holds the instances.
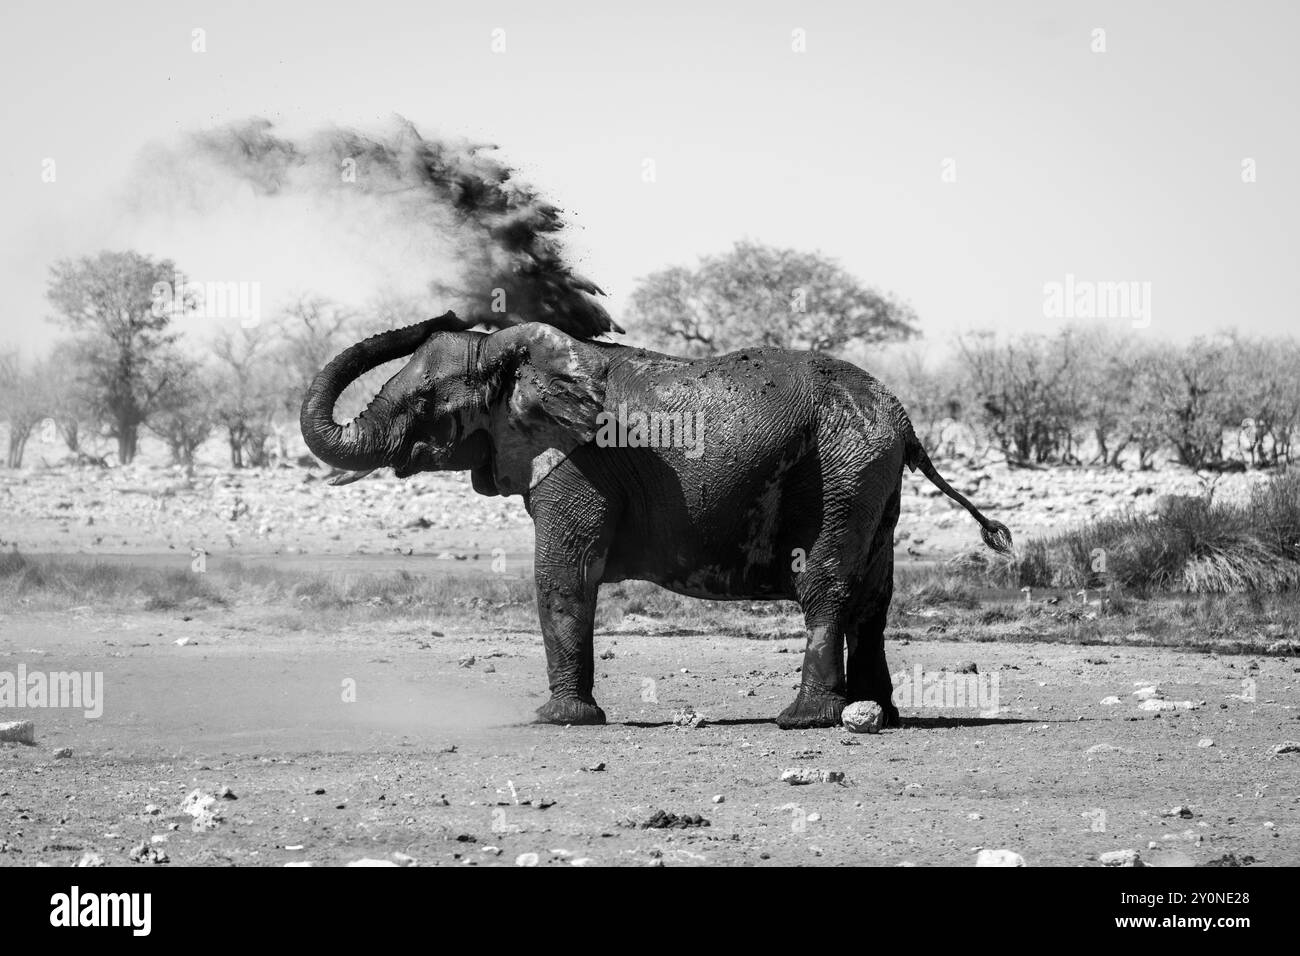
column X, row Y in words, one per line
column 1196, row 546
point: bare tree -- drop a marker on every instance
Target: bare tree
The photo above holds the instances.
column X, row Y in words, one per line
column 121, row 336
column 1025, row 393
column 185, row 412
column 248, row 386
column 24, row 401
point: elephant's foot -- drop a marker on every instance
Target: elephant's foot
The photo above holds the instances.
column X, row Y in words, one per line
column 812, row 710
column 569, row 710
column 891, row 715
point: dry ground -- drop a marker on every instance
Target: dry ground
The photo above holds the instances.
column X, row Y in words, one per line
column 434, row 758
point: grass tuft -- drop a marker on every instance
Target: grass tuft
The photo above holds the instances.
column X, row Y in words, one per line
column 1195, row 545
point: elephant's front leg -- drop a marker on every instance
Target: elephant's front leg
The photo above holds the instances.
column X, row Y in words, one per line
column 573, row 525
column 568, row 609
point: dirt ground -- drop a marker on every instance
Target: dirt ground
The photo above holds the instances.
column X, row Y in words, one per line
column 434, row 761
column 346, row 743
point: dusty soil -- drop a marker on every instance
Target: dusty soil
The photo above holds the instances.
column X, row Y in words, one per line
column 433, row 759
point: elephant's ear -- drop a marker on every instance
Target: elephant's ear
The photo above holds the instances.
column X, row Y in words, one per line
column 544, row 391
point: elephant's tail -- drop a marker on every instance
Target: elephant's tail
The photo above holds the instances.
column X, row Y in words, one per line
column 995, row 534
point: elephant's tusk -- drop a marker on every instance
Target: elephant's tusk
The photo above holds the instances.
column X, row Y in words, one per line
column 351, row 476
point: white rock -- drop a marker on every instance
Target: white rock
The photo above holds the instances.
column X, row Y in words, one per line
column 1148, row 693
column 367, row 861
column 999, row 858
column 863, row 717
column 1110, row 701
column 18, row 732
column 799, row 776
column 1287, row 747
column 689, row 717
column 526, row 859
column 203, row 807
column 1205, row 742
column 1155, row 704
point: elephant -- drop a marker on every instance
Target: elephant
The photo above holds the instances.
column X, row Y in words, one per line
column 787, row 485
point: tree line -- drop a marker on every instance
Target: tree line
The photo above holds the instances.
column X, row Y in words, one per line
column 1083, row 394
column 123, row 368
column 1094, row 395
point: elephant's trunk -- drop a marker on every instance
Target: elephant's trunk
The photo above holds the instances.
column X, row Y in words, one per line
column 361, row 444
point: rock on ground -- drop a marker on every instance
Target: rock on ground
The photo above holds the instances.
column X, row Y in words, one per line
column 863, row 717
column 999, row 858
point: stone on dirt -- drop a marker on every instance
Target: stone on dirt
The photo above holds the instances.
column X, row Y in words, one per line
column 1120, row 858
column 145, row 853
column 18, row 732
column 801, row 776
column 203, row 808
column 368, row 861
column 1158, row 705
column 63, row 753
column 1287, row 747
column 689, row 717
column 999, row 858
column 863, row 717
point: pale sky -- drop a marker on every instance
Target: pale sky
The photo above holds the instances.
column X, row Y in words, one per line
column 1122, row 165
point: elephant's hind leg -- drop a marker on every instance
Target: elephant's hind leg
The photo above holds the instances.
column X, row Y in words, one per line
column 843, row 576
column 826, row 596
column 822, row 692
column 868, row 673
